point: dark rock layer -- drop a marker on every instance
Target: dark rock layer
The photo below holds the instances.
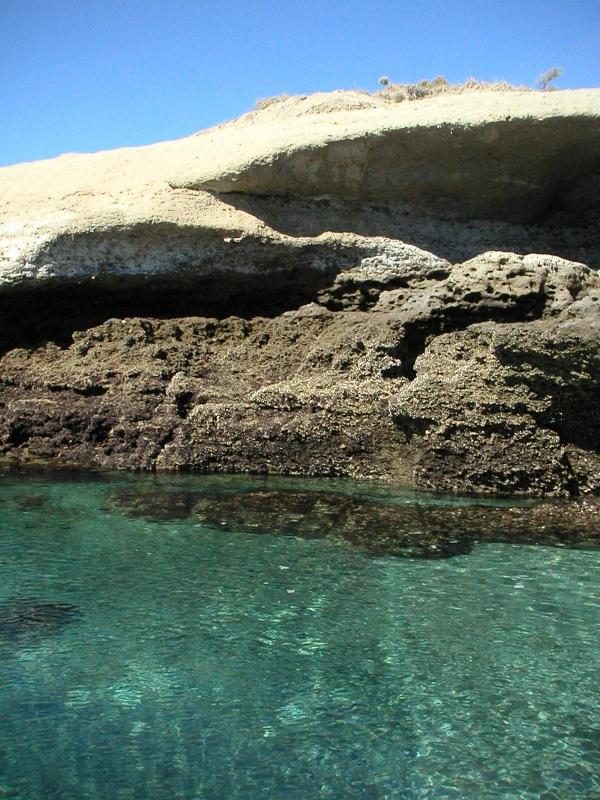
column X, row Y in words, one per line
column 480, row 377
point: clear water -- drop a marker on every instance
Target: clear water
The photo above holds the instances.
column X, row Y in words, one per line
column 206, row 661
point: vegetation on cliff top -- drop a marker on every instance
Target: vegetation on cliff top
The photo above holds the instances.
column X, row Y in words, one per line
column 399, row 92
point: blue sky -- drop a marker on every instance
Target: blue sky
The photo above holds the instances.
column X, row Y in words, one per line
column 81, row 75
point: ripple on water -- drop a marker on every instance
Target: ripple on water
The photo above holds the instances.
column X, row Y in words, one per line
column 161, row 648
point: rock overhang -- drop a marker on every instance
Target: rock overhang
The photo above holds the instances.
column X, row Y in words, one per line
column 490, row 156
column 508, row 170
column 171, row 208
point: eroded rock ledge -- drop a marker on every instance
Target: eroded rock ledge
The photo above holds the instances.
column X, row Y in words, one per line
column 482, row 376
column 244, row 300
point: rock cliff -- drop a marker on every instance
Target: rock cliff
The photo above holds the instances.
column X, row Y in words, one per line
column 334, row 285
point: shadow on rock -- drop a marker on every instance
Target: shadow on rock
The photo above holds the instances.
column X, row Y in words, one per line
column 28, row 616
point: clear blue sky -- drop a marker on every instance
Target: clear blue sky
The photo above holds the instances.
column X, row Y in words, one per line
column 80, row 75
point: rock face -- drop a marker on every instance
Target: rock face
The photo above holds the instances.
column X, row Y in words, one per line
column 319, row 292
column 456, row 156
column 184, row 209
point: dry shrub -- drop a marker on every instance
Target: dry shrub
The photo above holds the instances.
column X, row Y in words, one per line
column 265, row 102
column 546, row 78
column 398, row 92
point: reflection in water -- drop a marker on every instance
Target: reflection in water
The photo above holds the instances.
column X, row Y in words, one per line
column 421, row 528
column 207, row 661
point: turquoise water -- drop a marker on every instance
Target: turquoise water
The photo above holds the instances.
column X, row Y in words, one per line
column 152, row 645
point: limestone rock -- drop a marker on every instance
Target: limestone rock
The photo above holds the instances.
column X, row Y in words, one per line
column 167, row 209
column 461, row 155
column 314, row 290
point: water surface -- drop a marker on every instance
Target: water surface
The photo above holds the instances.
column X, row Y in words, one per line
column 173, row 638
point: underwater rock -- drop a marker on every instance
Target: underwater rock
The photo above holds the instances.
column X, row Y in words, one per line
column 23, row 616
column 407, row 529
column 30, row 502
column 377, row 528
column 155, row 506
column 403, row 529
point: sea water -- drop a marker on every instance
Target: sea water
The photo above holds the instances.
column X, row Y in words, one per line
column 153, row 656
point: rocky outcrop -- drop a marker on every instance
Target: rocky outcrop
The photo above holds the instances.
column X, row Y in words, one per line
column 180, row 209
column 149, row 319
column 389, row 376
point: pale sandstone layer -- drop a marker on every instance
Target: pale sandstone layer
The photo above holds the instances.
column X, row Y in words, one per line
column 171, row 208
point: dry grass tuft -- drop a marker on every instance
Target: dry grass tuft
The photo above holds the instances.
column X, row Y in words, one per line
column 546, row 78
column 399, row 92
column 265, row 102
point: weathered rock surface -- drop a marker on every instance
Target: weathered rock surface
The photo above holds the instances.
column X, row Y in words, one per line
column 459, row 156
column 409, row 389
column 151, row 319
column 168, row 209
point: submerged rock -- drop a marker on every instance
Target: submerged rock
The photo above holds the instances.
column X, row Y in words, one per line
column 31, row 502
column 26, row 616
column 155, row 506
column 412, row 530
column 379, row 529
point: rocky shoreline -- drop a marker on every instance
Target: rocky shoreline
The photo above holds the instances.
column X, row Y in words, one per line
column 237, row 322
